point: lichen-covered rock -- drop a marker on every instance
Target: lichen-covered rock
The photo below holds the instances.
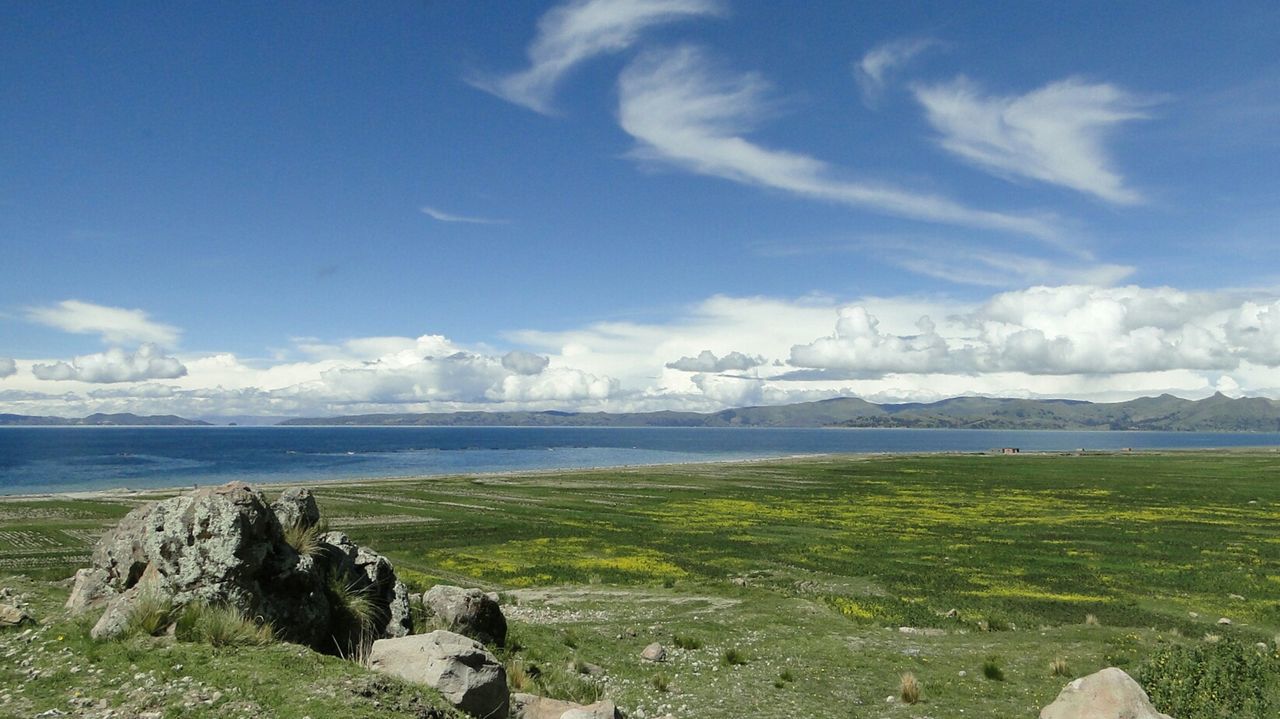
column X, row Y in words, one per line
column 226, row 545
column 469, row 612
column 296, row 507
column 1108, row 694
column 373, row 574
column 458, row 667
column 531, row 706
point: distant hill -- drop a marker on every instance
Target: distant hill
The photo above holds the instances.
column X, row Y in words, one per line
column 100, row 420
column 1218, row 413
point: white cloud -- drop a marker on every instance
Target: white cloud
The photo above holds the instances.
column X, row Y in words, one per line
column 7, row 367
column 442, row 216
column 578, row 31
column 1054, row 134
column 859, row 346
column 872, row 70
column 115, row 325
column 706, row 361
column 988, row 267
column 114, row 365
column 522, row 362
column 1041, row 331
column 682, row 114
column 1072, row 341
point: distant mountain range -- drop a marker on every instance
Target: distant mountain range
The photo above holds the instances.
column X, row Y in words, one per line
column 100, row 420
column 1218, row 413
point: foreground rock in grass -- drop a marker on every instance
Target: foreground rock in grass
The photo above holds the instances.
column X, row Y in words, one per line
column 226, row 545
column 469, row 612
column 1108, row 694
column 531, row 706
column 458, row 667
column 11, row 616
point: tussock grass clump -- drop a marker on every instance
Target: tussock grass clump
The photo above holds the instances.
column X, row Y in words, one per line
column 909, row 688
column 734, row 657
column 521, row 676
column 151, row 614
column 306, row 540
column 991, row 669
column 1091, row 620
column 353, row 600
column 660, row 682
column 567, row 685
column 787, row 676
column 221, row 625
column 1059, row 668
column 686, row 642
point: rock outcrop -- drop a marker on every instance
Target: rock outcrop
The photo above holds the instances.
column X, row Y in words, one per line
column 531, row 706
column 459, row 667
column 226, row 545
column 11, row 616
column 469, row 612
column 1108, row 694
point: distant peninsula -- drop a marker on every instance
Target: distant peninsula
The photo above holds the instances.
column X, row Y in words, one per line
column 101, row 420
column 1218, row 413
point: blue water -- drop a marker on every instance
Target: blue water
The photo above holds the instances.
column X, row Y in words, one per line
column 59, row 459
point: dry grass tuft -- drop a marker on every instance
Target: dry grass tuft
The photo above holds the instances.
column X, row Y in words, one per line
column 909, row 688
column 1059, row 668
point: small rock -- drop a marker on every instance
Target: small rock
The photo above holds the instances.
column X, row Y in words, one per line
column 1224, row 621
column 11, row 616
column 1236, row 597
column 952, row 614
column 654, row 653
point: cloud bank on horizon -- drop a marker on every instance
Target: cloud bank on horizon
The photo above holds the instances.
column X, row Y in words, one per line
column 718, row 204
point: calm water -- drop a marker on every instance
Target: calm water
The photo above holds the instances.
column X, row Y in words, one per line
column 43, row 459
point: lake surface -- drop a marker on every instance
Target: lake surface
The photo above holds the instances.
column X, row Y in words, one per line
column 61, row 459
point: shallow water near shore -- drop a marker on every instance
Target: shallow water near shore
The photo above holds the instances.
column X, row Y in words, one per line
column 63, row 459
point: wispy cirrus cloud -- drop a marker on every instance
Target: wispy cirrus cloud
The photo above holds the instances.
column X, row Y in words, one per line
column 578, row 31
column 873, row 69
column 115, row 325
column 1055, row 134
column 684, row 114
column 442, row 216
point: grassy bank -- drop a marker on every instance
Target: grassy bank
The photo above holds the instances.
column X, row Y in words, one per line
column 780, row 588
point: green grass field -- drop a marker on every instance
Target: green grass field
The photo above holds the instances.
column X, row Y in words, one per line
column 805, row 569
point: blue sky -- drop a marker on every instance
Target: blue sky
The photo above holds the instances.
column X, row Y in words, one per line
column 253, row 209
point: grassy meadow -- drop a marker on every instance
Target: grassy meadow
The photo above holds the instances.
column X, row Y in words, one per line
column 790, row 588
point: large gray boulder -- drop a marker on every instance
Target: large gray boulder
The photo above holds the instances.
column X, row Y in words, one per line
column 1108, row 694
column 458, row 667
column 372, row 574
column 296, row 507
column 469, row 612
column 11, row 616
column 225, row 545
column 531, row 706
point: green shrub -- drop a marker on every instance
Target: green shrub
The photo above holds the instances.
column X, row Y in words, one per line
column 683, row 642
column 991, row 669
column 1212, row 680
column 734, row 657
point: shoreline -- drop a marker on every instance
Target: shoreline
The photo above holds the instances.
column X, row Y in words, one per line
column 131, row 493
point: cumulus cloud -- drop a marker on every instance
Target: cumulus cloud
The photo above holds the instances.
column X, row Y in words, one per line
column 578, row 31
column 114, row 365
column 7, row 367
column 1054, row 134
column 873, row 69
column 116, row 325
column 522, row 362
column 1041, row 331
column 858, row 345
column 684, row 114
column 706, row 361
